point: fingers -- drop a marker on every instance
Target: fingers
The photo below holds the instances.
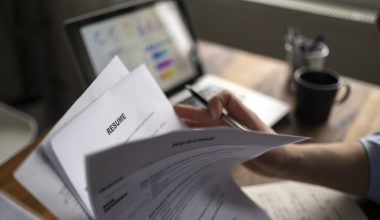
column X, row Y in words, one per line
column 237, row 110
column 196, row 117
column 191, row 112
column 233, row 105
column 279, row 162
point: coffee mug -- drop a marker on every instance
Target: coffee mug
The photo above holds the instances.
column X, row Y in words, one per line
column 316, row 92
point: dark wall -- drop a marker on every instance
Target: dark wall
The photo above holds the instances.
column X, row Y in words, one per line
column 354, row 46
column 37, row 74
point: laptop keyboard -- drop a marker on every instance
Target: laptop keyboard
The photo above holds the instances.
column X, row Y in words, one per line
column 210, row 91
column 206, row 93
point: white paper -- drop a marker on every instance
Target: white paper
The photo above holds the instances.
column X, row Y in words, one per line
column 180, row 175
column 9, row 210
column 111, row 75
column 36, row 174
column 298, row 201
column 136, row 104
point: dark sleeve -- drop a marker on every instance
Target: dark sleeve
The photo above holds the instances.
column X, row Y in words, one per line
column 372, row 146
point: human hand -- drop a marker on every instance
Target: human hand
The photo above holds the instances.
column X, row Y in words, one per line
column 322, row 164
column 273, row 163
column 201, row 117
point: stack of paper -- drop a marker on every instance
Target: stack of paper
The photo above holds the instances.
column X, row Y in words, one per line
column 290, row 200
column 121, row 152
column 10, row 210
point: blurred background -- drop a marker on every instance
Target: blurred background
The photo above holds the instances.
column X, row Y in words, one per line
column 38, row 75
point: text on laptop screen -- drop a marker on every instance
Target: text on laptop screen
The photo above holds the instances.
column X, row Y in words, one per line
column 155, row 35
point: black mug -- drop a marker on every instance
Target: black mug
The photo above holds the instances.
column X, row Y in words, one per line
column 316, row 94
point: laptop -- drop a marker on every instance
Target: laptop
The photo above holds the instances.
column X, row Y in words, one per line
column 159, row 34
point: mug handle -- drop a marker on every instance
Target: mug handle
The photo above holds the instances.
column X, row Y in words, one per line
column 346, row 94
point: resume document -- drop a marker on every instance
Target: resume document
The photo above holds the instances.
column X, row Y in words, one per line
column 124, row 154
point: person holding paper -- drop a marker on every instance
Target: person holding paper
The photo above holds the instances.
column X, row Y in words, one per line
column 353, row 169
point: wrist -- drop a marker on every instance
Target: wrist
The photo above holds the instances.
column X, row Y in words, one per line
column 290, row 164
column 281, row 162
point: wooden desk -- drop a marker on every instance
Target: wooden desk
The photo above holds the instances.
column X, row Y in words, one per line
column 357, row 117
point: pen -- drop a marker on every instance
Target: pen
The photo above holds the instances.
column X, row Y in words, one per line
column 228, row 120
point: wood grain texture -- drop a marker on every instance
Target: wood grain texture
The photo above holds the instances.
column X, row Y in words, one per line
column 10, row 185
column 357, row 117
column 269, row 76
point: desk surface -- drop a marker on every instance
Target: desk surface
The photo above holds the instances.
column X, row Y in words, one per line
column 357, row 117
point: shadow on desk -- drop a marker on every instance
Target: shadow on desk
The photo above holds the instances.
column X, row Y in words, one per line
column 371, row 209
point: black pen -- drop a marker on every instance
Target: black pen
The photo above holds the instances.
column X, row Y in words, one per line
column 228, row 120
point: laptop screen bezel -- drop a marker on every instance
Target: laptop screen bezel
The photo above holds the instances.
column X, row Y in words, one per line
column 73, row 26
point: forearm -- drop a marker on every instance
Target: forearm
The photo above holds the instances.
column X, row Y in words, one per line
column 342, row 166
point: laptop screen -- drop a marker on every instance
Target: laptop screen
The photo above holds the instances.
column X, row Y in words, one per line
column 154, row 34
